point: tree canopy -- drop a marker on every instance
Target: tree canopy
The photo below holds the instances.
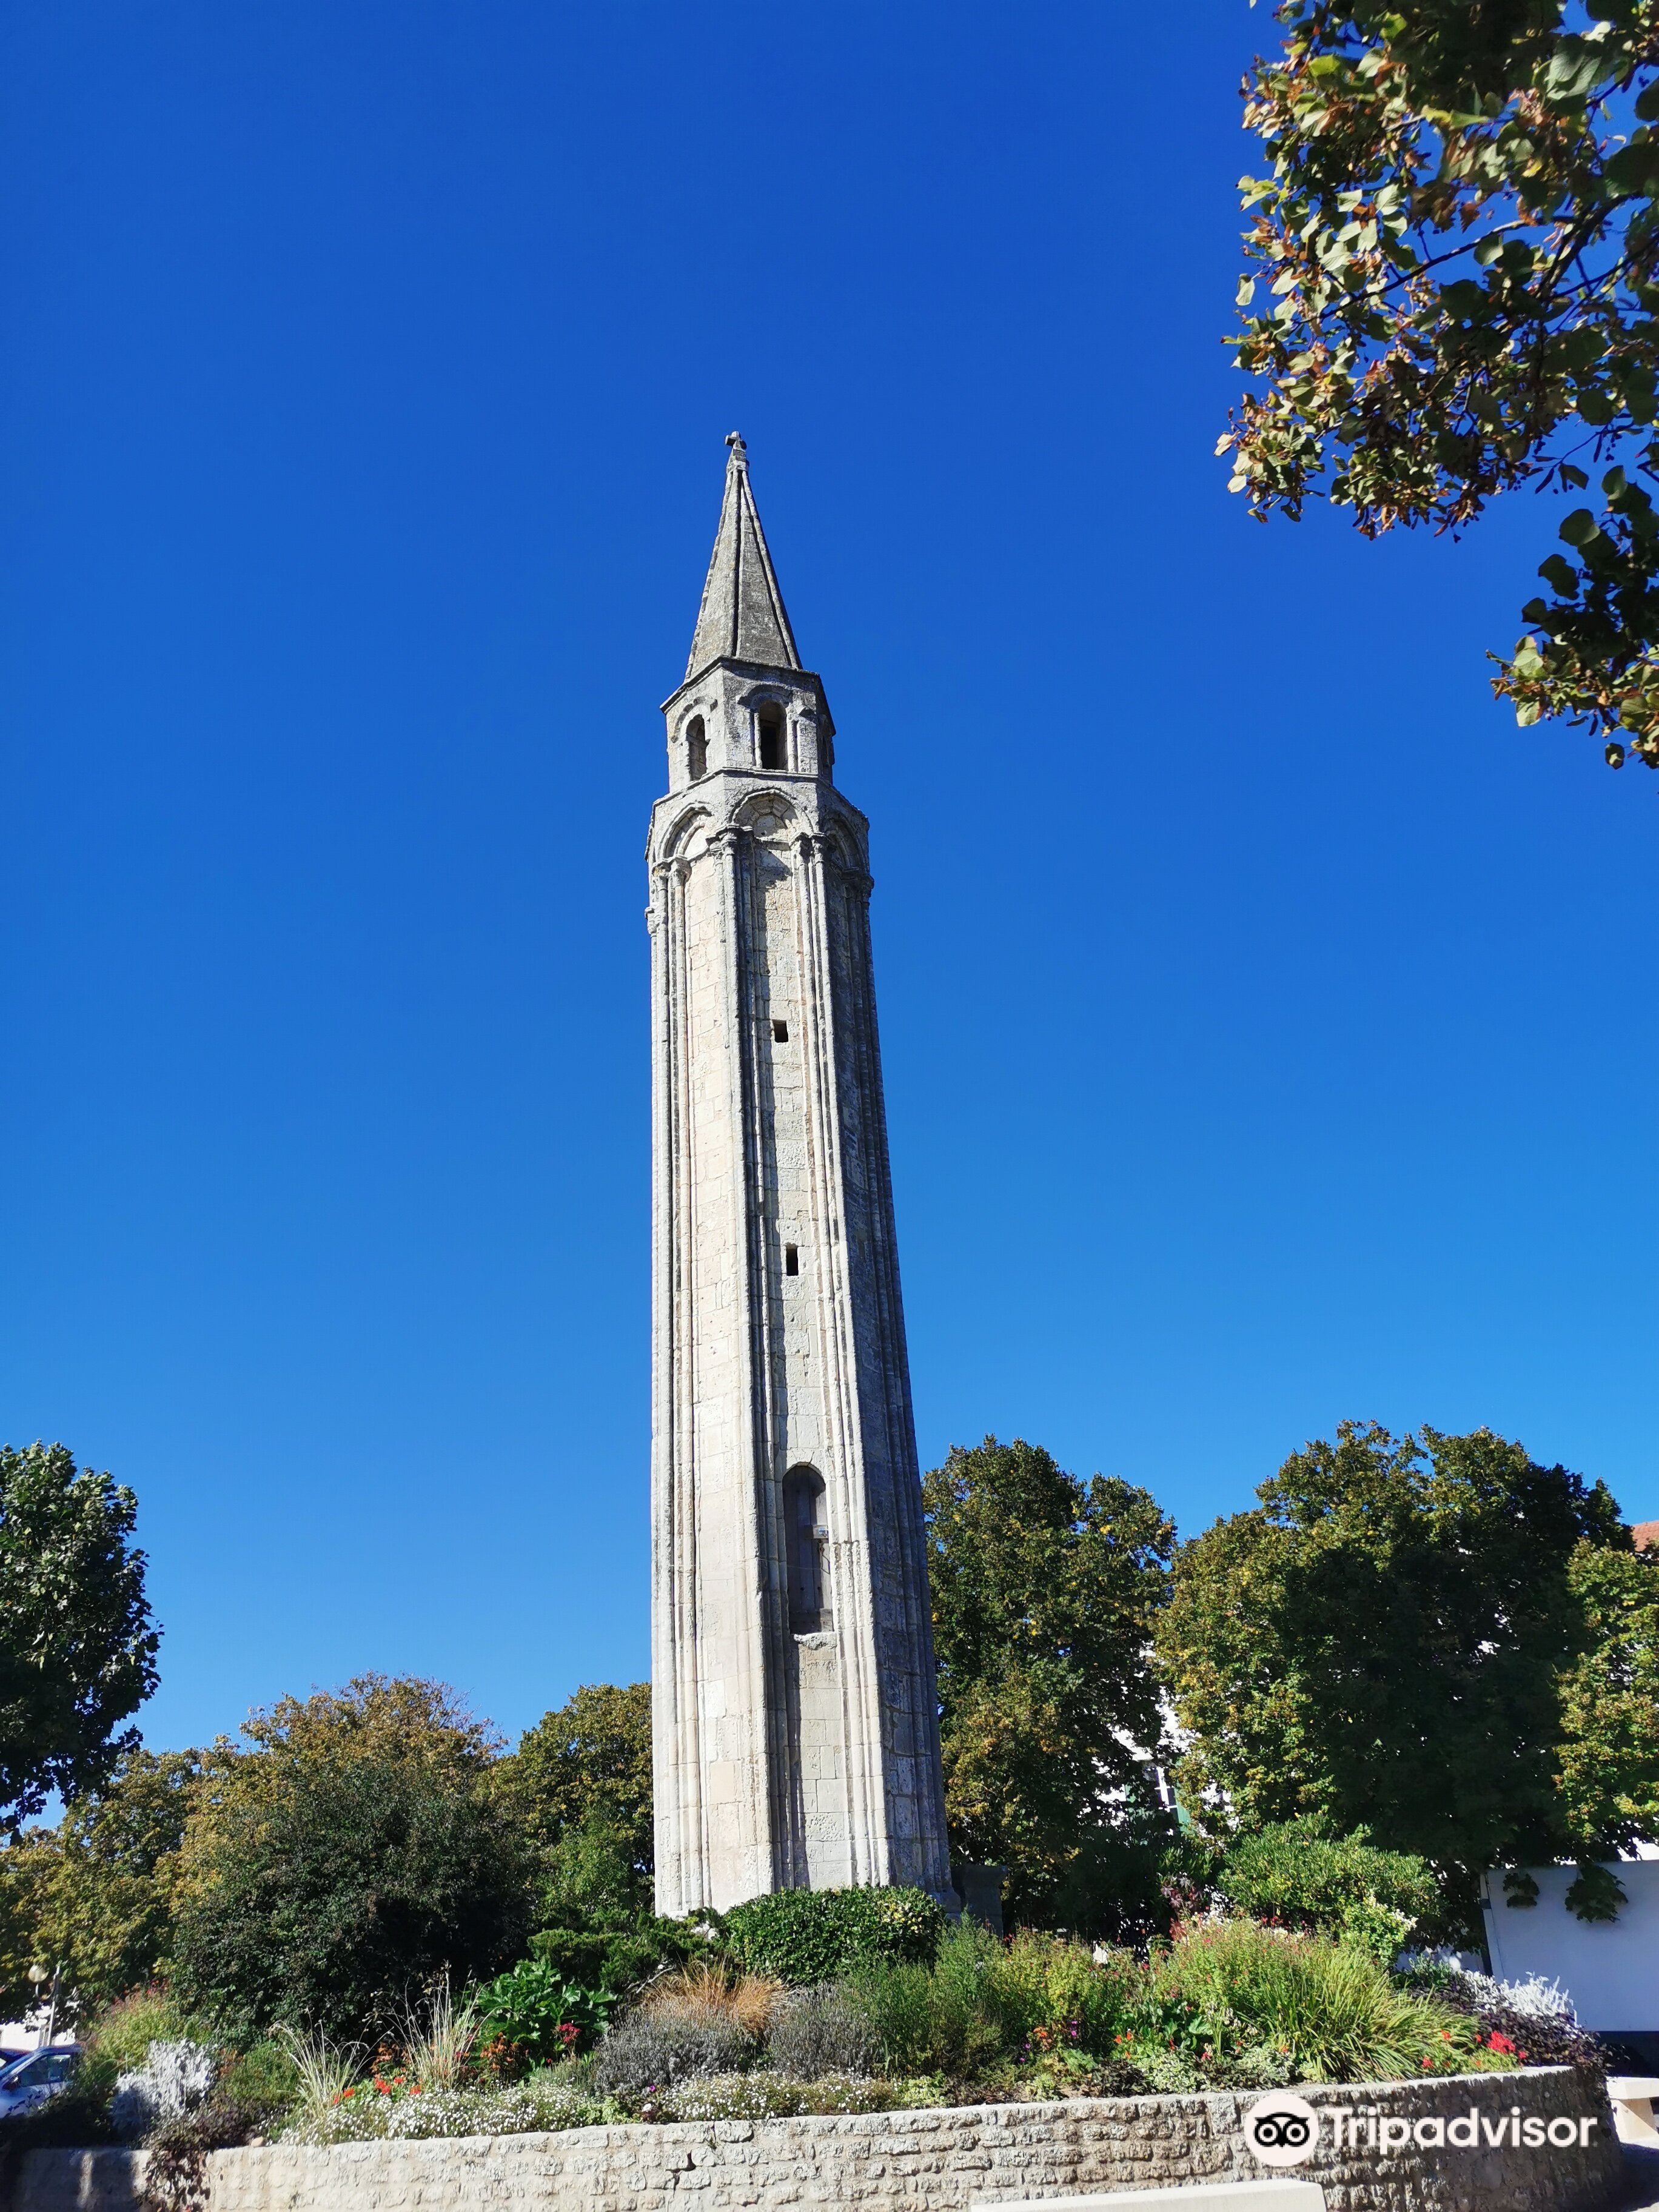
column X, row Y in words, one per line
column 1044, row 1590
column 1396, row 1638
column 351, row 1852
column 78, row 1644
column 1458, row 243
column 95, row 1895
column 581, row 1782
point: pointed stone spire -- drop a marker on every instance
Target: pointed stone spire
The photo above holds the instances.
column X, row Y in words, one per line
column 742, row 615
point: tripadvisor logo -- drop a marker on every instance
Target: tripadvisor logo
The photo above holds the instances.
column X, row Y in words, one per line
column 1283, row 2130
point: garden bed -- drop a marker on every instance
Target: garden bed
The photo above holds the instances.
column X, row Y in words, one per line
column 938, row 2160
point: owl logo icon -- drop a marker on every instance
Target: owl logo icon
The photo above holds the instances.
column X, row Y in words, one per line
column 1282, row 2129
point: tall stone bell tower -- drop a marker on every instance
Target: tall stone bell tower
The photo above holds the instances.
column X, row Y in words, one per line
column 793, row 1710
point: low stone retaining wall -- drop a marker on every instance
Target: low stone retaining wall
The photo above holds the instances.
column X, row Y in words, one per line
column 913, row 2161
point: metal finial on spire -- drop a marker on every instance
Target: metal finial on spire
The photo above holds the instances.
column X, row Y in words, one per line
column 740, row 450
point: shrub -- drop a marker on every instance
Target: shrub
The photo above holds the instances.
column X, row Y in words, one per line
column 1044, row 1982
column 805, row 1936
column 1330, row 1886
column 821, row 2030
column 769, row 2097
column 537, row 2010
column 266, row 2074
column 939, row 2019
column 528, row 2108
column 174, row 2079
column 1534, row 2017
column 175, row 2180
column 353, row 1854
column 648, row 2049
column 895, row 1998
column 119, row 2038
column 615, row 1961
column 1329, row 2006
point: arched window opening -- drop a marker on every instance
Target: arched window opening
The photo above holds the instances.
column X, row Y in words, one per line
column 697, row 749
column 769, row 721
column 806, row 1540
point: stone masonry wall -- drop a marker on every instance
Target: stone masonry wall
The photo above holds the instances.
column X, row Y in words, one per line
column 912, row 2161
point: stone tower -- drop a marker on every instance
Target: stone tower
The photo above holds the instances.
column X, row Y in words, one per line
column 793, row 1712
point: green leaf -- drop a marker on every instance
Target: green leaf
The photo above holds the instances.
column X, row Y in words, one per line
column 1647, row 102
column 1635, row 167
column 1561, row 573
column 1580, row 527
column 1574, row 69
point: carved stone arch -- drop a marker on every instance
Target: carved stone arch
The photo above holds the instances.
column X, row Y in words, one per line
column 769, row 816
column 682, row 832
column 844, row 846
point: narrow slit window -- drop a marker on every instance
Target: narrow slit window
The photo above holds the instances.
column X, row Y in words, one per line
column 697, row 749
column 791, row 1260
column 780, row 1032
column 771, row 723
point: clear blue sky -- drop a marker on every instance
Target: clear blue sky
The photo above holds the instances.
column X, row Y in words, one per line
column 1268, row 1024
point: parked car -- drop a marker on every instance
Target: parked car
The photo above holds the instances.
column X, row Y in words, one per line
column 36, row 2076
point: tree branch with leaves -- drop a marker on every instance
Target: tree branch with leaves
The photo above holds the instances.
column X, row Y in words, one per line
column 1460, row 246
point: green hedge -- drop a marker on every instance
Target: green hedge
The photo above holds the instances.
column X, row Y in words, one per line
column 803, row 1935
column 1338, row 1885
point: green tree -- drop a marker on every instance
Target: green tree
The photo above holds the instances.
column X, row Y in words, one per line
column 107, row 1911
column 1608, row 1758
column 1381, row 1644
column 1459, row 242
column 29, row 1865
column 1044, row 1591
column 77, row 1645
column 581, row 1783
column 352, row 1852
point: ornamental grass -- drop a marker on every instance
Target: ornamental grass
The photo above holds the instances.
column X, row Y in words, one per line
column 1331, row 2007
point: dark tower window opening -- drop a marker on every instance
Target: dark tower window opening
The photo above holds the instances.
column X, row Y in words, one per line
column 791, row 1260
column 780, row 1032
column 769, row 722
column 806, row 1538
column 697, row 749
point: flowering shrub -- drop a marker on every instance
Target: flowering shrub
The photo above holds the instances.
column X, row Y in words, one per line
column 389, row 2111
column 540, row 2012
column 768, row 2097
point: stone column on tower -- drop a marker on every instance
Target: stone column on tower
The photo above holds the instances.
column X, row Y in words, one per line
column 794, row 1717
